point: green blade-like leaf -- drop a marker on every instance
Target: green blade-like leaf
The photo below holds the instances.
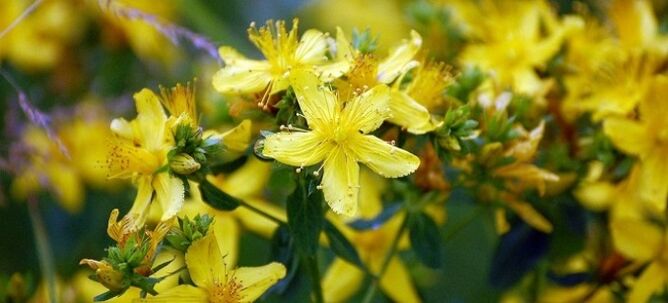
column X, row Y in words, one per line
column 425, row 239
column 341, row 246
column 305, row 217
column 106, row 296
column 217, row 198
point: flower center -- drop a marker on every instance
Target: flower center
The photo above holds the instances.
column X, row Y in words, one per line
column 229, row 292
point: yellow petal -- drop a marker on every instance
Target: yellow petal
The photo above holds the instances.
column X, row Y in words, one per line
column 342, row 63
column 247, row 181
column 312, row 47
column 341, row 281
column 400, row 59
column 205, row 262
column 142, row 200
column 651, row 281
column 241, row 76
column 340, row 182
column 409, row 114
column 530, row 215
column 383, row 158
column 296, row 149
column 238, row 138
column 397, row 284
column 257, row 223
column 636, row 238
column 67, row 185
column 317, row 102
column 596, row 196
column 256, row 280
column 654, row 107
column 629, row 136
column 228, row 241
column 367, row 112
column 634, row 21
column 122, row 128
column 180, row 294
column 169, row 192
column 653, row 181
column 150, row 118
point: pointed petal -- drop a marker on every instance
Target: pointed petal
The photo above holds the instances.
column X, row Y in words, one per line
column 653, row 179
column 169, row 192
column 397, row 284
column 367, row 111
column 150, row 118
column 240, row 74
column 343, row 61
column 183, row 293
column 256, row 280
column 312, row 47
column 629, row 136
column 204, row 261
column 530, row 215
column 409, row 114
column 651, row 281
column 256, row 223
column 400, row 59
column 340, row 182
column 341, row 281
column 228, row 241
column 317, row 102
column 142, row 200
column 383, row 158
column 238, row 138
column 636, row 238
column 296, row 149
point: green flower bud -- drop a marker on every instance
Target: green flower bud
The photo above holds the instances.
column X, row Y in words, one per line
column 184, row 164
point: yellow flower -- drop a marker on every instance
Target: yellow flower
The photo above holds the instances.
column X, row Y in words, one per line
column 339, row 138
column 342, row 279
column 41, row 40
column 510, row 44
column 284, row 53
column 64, row 176
column 367, row 71
column 215, row 281
column 640, row 234
column 647, row 139
column 637, row 27
column 139, row 149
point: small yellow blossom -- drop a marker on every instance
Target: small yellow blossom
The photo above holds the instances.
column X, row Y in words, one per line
column 215, row 282
column 366, row 71
column 647, row 139
column 139, row 149
column 339, row 138
column 283, row 52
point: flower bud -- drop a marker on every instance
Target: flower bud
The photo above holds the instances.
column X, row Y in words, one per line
column 184, row 164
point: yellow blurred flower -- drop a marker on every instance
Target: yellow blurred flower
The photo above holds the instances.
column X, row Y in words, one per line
column 66, row 175
column 342, row 279
column 339, row 138
column 216, row 280
column 41, row 40
column 513, row 40
column 647, row 139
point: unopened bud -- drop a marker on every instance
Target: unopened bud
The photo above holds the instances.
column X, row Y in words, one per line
column 184, row 164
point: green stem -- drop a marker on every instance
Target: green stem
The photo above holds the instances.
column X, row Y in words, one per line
column 312, row 263
column 474, row 214
column 368, row 297
column 46, row 263
column 261, row 212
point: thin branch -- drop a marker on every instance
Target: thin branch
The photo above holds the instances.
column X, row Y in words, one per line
column 172, row 31
column 21, row 17
column 34, row 115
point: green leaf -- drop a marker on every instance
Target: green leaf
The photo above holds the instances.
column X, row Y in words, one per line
column 106, row 296
column 341, row 246
column 305, row 217
column 425, row 239
column 217, row 198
